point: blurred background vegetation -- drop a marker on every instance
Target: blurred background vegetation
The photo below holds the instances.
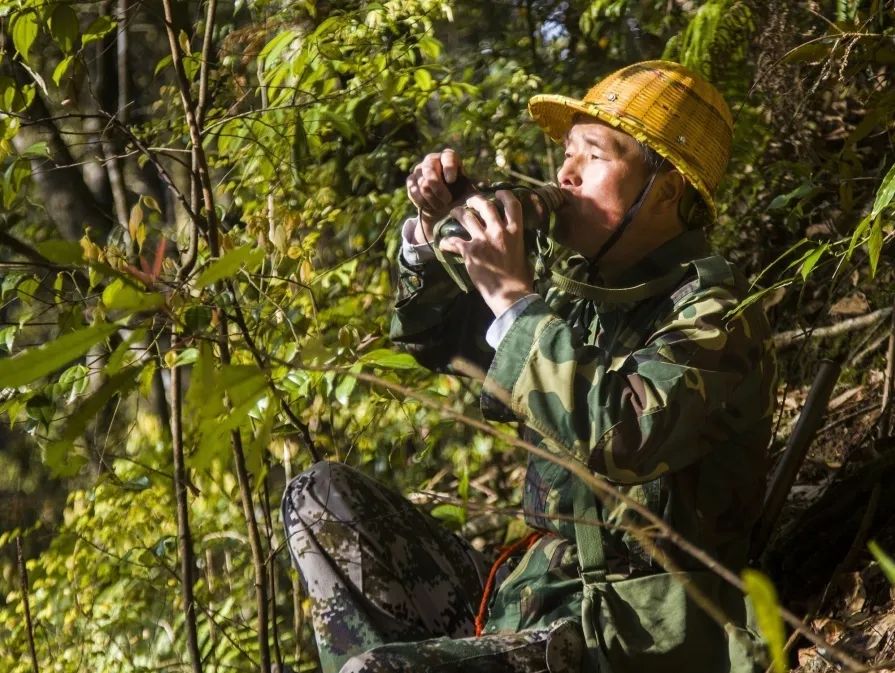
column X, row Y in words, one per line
column 201, row 203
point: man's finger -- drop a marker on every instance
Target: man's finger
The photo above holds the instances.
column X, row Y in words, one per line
column 470, row 220
column 433, row 185
column 452, row 244
column 486, row 210
column 450, row 165
column 512, row 210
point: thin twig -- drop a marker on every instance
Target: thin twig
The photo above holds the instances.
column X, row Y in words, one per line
column 23, row 582
column 184, row 534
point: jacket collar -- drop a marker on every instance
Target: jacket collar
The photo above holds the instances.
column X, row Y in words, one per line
column 686, row 247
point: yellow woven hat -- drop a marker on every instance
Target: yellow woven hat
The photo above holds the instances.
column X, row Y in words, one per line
column 663, row 105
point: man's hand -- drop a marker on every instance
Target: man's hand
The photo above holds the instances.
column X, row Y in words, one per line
column 427, row 187
column 495, row 255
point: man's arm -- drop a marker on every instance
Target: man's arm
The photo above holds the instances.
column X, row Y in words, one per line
column 644, row 416
column 433, row 319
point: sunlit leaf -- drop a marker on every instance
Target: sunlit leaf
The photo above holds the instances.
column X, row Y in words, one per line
column 886, row 562
column 388, row 359
column 450, row 513
column 34, row 363
column 885, row 194
column 875, row 244
column 248, row 256
column 812, row 260
column 122, row 296
column 24, row 31
column 98, row 29
column 61, row 69
column 767, row 613
column 423, row 79
column 61, row 252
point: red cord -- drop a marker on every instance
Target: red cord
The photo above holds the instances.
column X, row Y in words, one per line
column 527, row 542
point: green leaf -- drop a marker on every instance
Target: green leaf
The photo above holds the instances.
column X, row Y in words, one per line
column 119, row 384
column 388, row 359
column 423, row 79
column 886, row 563
column 275, row 47
column 8, row 337
column 249, row 256
column 62, row 461
column 875, row 245
column 38, row 149
column 856, row 236
column 812, row 260
column 186, row 357
column 122, row 296
column 61, row 252
column 163, row 63
column 450, row 513
column 117, row 359
column 34, row 363
column 98, row 29
column 244, row 385
column 151, row 203
column 429, row 47
column 767, row 613
column 64, row 27
column 62, row 68
column 782, row 200
column 204, row 394
column 885, row 194
column 346, row 387
column 24, row 32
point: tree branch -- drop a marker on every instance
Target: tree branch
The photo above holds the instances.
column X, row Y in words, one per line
column 23, row 582
column 784, row 340
column 184, row 535
column 204, row 179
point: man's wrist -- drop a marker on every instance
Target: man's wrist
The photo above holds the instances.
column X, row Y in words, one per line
column 500, row 302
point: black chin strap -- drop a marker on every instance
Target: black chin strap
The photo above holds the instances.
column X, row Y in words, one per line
column 628, row 217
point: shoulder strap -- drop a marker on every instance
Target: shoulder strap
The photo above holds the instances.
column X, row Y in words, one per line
column 714, row 270
column 588, row 534
column 616, row 295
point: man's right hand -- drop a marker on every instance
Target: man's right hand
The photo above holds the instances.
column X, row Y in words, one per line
column 427, row 187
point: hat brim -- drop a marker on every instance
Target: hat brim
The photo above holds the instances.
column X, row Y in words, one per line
column 556, row 115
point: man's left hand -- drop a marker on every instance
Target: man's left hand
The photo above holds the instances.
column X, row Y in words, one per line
column 495, row 255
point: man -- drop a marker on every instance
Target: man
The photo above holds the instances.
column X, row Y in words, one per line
column 632, row 363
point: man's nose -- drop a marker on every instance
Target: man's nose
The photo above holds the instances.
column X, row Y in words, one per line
column 568, row 175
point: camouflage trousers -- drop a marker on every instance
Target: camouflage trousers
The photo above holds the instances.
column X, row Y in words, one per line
column 392, row 590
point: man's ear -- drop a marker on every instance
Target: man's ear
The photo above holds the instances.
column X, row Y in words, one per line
column 672, row 187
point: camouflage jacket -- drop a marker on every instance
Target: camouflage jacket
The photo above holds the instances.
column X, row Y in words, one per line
column 666, row 395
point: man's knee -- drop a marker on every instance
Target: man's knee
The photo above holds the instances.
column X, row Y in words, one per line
column 308, row 493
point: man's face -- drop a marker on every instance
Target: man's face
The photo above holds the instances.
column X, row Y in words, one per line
column 602, row 174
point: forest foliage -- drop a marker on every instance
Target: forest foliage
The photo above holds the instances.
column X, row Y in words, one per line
column 201, row 204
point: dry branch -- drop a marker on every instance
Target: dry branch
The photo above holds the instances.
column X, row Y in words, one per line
column 783, row 340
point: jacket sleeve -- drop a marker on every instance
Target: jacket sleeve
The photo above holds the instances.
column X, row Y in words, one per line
column 435, row 321
column 635, row 419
